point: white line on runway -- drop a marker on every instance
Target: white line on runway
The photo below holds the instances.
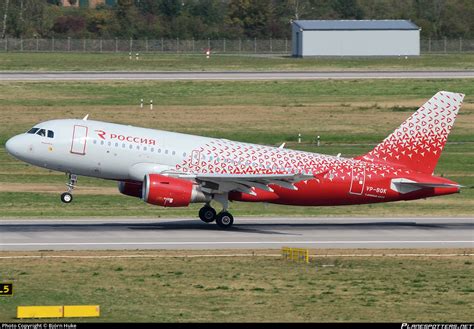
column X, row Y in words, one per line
column 225, row 243
column 233, row 79
column 228, row 255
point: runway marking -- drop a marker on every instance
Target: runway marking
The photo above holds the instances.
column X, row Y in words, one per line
column 238, row 79
column 224, row 243
column 228, row 255
column 138, row 256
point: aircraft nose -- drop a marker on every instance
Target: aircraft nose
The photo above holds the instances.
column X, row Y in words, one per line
column 12, row 145
column 21, row 147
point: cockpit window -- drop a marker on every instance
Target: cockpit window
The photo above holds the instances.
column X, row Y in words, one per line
column 32, row 131
column 41, row 132
column 50, row 134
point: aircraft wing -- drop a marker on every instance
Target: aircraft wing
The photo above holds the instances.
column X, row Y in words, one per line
column 245, row 182
column 222, row 183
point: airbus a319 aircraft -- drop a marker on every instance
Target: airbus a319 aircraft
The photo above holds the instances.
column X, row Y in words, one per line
column 173, row 170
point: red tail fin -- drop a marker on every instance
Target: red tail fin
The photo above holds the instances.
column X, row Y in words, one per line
column 419, row 141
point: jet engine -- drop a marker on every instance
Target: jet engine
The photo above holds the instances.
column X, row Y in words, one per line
column 171, row 192
column 130, row 189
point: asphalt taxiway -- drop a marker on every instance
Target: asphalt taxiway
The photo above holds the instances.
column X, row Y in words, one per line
column 247, row 233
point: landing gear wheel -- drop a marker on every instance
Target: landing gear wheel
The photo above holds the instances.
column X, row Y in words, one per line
column 207, row 214
column 66, row 197
column 224, row 220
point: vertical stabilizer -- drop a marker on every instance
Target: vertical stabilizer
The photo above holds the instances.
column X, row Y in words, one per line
column 417, row 144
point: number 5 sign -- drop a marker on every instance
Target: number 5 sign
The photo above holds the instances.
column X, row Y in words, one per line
column 6, row 289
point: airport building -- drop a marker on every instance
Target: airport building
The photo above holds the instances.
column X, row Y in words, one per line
column 355, row 38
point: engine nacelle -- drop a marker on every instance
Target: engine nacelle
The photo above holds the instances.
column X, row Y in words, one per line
column 171, row 192
column 131, row 189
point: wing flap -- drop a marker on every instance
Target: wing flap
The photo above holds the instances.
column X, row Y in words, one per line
column 222, row 183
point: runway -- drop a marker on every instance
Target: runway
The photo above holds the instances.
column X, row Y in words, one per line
column 247, row 233
column 233, row 75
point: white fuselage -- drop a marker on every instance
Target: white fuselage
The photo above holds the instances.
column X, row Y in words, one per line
column 219, row 166
column 121, row 152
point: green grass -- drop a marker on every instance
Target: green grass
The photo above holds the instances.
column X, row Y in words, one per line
column 287, row 93
column 31, row 205
column 209, row 108
column 350, row 116
column 456, row 163
column 236, row 289
column 197, row 62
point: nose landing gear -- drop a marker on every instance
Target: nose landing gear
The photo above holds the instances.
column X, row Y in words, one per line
column 66, row 197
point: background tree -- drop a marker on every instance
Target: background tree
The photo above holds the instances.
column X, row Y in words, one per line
column 5, row 18
column 203, row 19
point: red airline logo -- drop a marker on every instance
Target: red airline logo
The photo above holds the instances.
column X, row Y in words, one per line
column 101, row 133
column 131, row 139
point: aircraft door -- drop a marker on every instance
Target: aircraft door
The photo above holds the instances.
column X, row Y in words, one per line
column 357, row 181
column 79, row 140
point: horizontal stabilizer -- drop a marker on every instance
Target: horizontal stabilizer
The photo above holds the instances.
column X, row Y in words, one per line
column 431, row 185
column 403, row 185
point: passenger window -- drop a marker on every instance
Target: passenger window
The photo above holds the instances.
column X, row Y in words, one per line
column 174, row 152
column 116, row 144
column 32, row 130
column 131, row 146
column 95, row 141
column 102, row 142
column 41, row 132
column 144, row 148
column 50, row 134
column 166, row 151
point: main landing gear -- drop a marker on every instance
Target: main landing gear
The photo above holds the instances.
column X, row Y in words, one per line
column 66, row 197
column 207, row 214
column 223, row 219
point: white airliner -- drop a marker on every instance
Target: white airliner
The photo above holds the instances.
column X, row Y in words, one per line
column 173, row 170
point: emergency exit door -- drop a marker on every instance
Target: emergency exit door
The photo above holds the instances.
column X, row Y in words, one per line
column 79, row 140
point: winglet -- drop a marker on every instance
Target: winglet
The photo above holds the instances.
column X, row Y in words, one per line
column 282, row 146
column 86, row 117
